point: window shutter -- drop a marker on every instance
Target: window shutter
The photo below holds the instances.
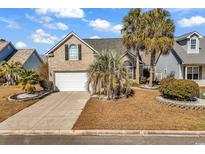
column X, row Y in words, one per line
column 79, row 52
column 66, row 52
column 200, row 72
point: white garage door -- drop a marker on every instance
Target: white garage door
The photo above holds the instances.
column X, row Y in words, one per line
column 75, row 81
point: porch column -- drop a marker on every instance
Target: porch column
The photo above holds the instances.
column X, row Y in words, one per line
column 180, row 71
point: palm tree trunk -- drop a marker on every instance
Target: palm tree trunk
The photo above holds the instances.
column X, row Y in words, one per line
column 152, row 75
column 137, row 68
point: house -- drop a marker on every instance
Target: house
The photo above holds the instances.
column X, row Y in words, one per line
column 186, row 60
column 28, row 58
column 70, row 58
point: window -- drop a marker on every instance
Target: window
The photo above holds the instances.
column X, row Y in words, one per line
column 73, row 52
column 129, row 67
column 193, row 43
column 193, row 72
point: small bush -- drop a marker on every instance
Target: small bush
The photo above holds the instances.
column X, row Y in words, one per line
column 46, row 84
column 133, row 83
column 2, row 80
column 183, row 90
column 43, row 71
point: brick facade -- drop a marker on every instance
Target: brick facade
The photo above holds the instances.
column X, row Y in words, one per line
column 57, row 62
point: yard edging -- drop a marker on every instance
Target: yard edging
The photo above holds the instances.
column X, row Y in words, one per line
column 104, row 132
column 199, row 105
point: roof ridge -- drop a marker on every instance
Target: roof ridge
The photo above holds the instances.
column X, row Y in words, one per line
column 27, row 49
column 102, row 38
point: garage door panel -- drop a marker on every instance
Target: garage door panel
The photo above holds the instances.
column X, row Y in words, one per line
column 71, row 81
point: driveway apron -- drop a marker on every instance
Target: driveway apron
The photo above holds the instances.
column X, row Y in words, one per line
column 58, row 111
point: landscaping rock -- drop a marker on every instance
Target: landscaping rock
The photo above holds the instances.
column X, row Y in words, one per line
column 198, row 104
column 25, row 97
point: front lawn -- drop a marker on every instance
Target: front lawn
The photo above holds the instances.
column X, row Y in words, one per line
column 140, row 112
column 7, row 108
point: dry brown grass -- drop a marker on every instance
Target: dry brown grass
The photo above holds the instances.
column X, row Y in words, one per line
column 7, row 108
column 140, row 112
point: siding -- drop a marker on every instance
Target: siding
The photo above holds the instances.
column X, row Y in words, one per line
column 203, row 72
column 6, row 52
column 33, row 62
column 166, row 65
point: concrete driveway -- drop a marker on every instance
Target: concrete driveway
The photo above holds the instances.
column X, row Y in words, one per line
column 58, row 111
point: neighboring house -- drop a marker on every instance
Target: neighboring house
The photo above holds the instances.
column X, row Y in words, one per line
column 70, row 59
column 28, row 58
column 186, row 60
column 6, row 50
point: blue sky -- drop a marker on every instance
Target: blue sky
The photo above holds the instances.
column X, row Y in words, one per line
column 42, row 28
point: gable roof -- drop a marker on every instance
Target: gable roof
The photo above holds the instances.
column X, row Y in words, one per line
column 23, row 55
column 188, row 35
column 3, row 44
column 186, row 58
column 107, row 44
column 66, row 38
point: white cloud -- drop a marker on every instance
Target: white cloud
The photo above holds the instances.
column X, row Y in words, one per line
column 85, row 20
column 95, row 37
column 117, row 28
column 100, row 24
column 104, row 25
column 57, row 25
column 62, row 12
column 40, row 36
column 11, row 23
column 193, row 21
column 20, row 45
column 47, row 22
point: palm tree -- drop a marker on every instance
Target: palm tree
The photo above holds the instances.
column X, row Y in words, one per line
column 108, row 75
column 133, row 35
column 159, row 37
column 10, row 70
column 27, row 80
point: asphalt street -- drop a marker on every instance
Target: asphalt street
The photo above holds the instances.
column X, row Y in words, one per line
column 100, row 140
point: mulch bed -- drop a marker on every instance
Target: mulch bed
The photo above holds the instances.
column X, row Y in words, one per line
column 140, row 112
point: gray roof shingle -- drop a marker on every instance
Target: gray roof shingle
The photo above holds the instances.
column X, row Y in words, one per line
column 107, row 44
column 186, row 58
column 22, row 55
column 3, row 44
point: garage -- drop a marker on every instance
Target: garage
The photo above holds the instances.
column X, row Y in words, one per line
column 71, row 81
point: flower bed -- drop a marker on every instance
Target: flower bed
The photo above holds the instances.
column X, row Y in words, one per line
column 197, row 104
column 145, row 86
column 26, row 97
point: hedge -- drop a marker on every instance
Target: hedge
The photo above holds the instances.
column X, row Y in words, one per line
column 182, row 90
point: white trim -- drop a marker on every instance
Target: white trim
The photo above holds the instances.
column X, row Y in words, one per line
column 200, row 36
column 69, row 52
column 132, row 68
column 180, row 71
column 65, row 38
column 192, row 72
column 189, row 49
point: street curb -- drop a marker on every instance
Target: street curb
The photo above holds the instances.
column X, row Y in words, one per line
column 104, row 132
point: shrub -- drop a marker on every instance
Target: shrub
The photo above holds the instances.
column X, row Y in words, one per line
column 27, row 80
column 183, row 90
column 2, row 80
column 133, row 83
column 43, row 71
column 46, row 84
